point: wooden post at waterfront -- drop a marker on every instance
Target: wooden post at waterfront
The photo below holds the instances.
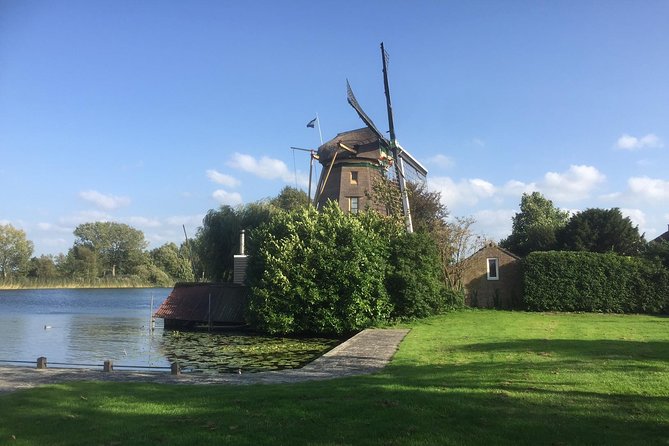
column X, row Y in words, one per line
column 41, row 362
column 176, row 369
column 108, row 366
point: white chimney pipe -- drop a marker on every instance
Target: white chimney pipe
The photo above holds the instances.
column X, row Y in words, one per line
column 241, row 243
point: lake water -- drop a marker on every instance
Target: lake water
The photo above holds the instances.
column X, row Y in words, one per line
column 82, row 327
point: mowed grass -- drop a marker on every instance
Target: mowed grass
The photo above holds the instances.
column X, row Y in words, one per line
column 470, row 377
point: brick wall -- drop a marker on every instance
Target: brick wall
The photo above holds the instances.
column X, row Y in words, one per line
column 340, row 188
column 505, row 292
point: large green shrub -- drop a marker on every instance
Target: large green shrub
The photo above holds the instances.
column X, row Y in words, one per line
column 585, row 281
column 319, row 272
column 415, row 280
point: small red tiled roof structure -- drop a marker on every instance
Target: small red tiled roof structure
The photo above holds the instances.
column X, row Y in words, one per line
column 190, row 304
column 493, row 278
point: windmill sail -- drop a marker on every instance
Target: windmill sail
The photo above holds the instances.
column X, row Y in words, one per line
column 397, row 152
column 350, row 97
column 406, row 166
column 418, row 171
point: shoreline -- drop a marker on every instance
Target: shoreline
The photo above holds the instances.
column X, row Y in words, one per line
column 367, row 352
column 70, row 286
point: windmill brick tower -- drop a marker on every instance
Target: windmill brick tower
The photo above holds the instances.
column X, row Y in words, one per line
column 352, row 162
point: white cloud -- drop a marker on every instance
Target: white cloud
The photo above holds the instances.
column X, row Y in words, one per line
column 229, row 198
column 188, row 220
column 629, row 142
column 637, row 216
column 494, row 224
column 43, row 226
column 54, row 242
column 469, row 191
column 221, row 178
column 649, row 188
column 143, row 222
column 103, row 201
column 518, row 188
column 482, row 188
column 85, row 217
column 575, row 184
column 442, row 161
column 267, row 168
column 652, row 191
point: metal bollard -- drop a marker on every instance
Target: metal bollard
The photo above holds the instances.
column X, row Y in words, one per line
column 176, row 370
column 41, row 362
column 108, row 366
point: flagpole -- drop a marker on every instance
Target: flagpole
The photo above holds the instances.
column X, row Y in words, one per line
column 318, row 121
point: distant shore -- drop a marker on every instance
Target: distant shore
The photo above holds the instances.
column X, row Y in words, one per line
column 73, row 284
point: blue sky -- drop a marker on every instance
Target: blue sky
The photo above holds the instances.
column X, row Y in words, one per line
column 151, row 113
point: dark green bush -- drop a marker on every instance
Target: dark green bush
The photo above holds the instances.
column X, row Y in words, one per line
column 416, row 281
column 585, row 281
column 318, row 272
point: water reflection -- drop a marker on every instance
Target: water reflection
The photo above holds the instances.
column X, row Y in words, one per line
column 125, row 340
column 91, row 326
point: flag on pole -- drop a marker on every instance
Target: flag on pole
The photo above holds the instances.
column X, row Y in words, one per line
column 312, row 123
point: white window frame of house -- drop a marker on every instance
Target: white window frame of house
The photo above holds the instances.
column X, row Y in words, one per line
column 495, row 270
column 351, row 208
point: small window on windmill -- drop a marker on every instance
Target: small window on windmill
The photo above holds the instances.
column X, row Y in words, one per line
column 354, row 177
column 493, row 269
column 353, row 205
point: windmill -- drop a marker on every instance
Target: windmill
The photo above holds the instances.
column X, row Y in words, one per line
column 359, row 155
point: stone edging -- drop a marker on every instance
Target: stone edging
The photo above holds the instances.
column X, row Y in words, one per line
column 367, row 352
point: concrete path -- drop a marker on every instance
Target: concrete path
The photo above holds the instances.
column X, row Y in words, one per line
column 367, row 352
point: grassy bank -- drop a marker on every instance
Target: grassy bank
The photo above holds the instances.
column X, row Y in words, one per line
column 31, row 284
column 472, row 377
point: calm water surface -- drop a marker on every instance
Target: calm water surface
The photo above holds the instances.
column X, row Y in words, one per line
column 86, row 326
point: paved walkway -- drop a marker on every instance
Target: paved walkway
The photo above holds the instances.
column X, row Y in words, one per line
column 367, row 352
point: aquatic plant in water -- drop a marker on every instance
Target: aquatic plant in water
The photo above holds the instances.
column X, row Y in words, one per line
column 234, row 352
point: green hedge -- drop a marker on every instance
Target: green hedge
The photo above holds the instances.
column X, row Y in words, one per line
column 415, row 281
column 334, row 273
column 585, row 281
column 317, row 272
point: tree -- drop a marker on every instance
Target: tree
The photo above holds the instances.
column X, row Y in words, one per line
column 119, row 247
column 602, row 230
column 217, row 240
column 454, row 239
column 415, row 279
column 81, row 262
column 427, row 211
column 290, row 199
column 536, row 226
column 170, row 260
column 456, row 243
column 43, row 267
column 385, row 195
column 15, row 251
column 658, row 251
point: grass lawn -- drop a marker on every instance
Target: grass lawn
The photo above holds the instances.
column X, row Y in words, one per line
column 470, row 377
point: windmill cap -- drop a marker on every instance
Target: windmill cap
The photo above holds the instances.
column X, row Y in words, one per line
column 363, row 140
